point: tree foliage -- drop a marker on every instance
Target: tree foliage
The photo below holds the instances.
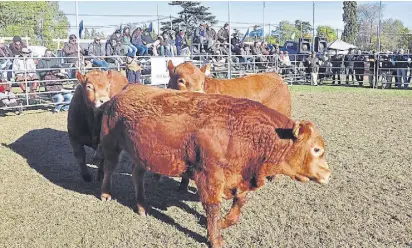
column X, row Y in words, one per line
column 394, row 35
column 350, row 19
column 41, row 21
column 368, row 20
column 303, row 28
column 92, row 33
column 293, row 31
column 327, row 32
column 189, row 17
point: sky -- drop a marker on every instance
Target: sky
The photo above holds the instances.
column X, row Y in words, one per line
column 105, row 15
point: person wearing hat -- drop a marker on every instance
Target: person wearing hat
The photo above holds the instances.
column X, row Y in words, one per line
column 71, row 49
column 97, row 53
column 17, row 45
column 24, row 70
column 181, row 41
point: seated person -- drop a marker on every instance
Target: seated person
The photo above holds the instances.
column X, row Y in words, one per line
column 97, row 53
column 114, row 52
column 50, row 72
column 7, row 97
column 149, row 43
column 24, row 69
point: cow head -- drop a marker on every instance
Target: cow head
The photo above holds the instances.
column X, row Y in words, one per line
column 187, row 76
column 306, row 160
column 96, row 87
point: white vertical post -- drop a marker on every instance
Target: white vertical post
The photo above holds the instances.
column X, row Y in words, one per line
column 230, row 47
column 158, row 23
column 264, row 21
column 77, row 26
column 313, row 27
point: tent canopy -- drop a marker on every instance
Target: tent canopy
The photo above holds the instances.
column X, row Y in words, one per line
column 340, row 45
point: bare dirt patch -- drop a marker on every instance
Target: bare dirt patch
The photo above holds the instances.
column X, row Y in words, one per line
column 45, row 203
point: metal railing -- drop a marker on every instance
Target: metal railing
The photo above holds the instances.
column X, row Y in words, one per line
column 294, row 71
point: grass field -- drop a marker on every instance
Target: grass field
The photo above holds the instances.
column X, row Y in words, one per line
column 368, row 202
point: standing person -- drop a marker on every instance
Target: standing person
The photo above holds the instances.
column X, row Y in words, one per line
column 385, row 62
column 133, row 71
column 359, row 67
column 127, row 41
column 401, row 64
column 336, row 61
column 25, row 70
column 313, row 66
column 372, row 68
column 97, row 53
column 349, row 64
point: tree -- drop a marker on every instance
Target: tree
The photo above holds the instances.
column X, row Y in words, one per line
column 189, row 17
column 286, row 31
column 41, row 21
column 327, row 32
column 350, row 19
column 303, row 28
column 394, row 35
column 368, row 19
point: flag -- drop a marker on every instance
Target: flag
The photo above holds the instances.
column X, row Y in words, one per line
column 244, row 37
column 256, row 33
column 80, row 29
column 151, row 27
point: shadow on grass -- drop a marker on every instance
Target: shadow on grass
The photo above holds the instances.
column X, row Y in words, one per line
column 48, row 152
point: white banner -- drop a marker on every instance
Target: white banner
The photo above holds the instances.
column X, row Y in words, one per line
column 160, row 73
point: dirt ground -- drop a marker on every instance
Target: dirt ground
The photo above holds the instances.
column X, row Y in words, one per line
column 368, row 202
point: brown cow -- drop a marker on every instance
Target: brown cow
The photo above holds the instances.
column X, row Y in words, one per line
column 228, row 146
column 266, row 88
column 95, row 88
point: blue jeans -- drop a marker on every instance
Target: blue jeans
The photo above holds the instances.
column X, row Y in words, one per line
column 402, row 74
column 101, row 63
column 62, row 101
column 142, row 50
column 131, row 50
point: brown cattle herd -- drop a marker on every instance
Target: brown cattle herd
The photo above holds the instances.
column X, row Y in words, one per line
column 228, row 136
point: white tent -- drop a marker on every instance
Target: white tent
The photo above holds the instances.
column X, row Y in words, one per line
column 340, row 45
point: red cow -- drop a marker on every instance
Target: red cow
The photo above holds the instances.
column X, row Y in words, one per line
column 228, row 146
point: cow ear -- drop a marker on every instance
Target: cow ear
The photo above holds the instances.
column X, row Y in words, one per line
column 170, row 67
column 302, row 128
column 206, row 70
column 80, row 77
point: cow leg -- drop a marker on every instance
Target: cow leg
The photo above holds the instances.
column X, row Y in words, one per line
column 184, row 184
column 80, row 155
column 234, row 213
column 138, row 182
column 210, row 188
column 100, row 158
column 111, row 158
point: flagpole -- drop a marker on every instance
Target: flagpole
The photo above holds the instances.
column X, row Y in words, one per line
column 230, row 48
column 77, row 25
column 158, row 25
column 264, row 21
column 313, row 27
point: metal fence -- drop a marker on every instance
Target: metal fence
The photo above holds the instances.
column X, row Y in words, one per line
column 385, row 71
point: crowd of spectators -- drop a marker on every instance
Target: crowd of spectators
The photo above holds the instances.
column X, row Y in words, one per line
column 123, row 47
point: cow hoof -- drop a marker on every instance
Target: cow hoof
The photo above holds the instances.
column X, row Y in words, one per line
column 105, row 197
column 217, row 243
column 140, row 211
column 87, row 178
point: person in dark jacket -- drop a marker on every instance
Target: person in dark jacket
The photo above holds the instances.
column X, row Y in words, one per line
column 97, row 53
column 401, row 63
column 349, row 64
column 223, row 34
column 336, row 61
column 114, row 52
column 51, row 74
column 386, row 70
column 70, row 49
column 16, row 46
column 312, row 63
column 149, row 43
column 359, row 67
column 181, row 42
column 235, row 42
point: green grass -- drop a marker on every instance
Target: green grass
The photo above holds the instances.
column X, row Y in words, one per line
column 346, row 89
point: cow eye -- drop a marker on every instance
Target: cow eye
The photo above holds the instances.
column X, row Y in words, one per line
column 316, row 150
column 181, row 80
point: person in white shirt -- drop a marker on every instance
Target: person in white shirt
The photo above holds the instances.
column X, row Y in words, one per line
column 24, row 70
